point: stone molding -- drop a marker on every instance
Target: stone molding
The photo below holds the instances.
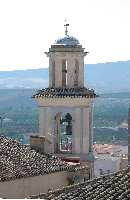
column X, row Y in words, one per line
column 64, row 102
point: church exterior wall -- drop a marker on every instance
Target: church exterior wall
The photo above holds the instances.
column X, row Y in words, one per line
column 64, row 102
column 71, row 56
column 25, row 187
column 42, row 120
column 86, row 132
column 76, row 135
column 81, row 121
column 66, row 94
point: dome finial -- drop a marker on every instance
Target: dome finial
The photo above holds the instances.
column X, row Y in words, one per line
column 66, row 27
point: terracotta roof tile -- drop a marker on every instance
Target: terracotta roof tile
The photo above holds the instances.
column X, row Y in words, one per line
column 65, row 92
column 17, row 161
column 110, row 187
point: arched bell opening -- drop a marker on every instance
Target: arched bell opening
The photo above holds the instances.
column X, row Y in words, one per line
column 64, row 73
column 63, row 133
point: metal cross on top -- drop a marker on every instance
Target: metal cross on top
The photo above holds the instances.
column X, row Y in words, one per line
column 66, row 28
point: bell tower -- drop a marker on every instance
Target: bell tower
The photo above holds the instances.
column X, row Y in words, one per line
column 66, row 62
column 65, row 107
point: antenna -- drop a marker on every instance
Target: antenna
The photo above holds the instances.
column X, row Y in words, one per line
column 66, row 27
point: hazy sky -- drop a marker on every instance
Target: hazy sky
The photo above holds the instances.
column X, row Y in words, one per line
column 29, row 27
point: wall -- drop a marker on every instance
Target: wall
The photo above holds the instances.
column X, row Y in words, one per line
column 106, row 163
column 40, row 144
column 78, row 108
column 24, row 187
column 58, row 56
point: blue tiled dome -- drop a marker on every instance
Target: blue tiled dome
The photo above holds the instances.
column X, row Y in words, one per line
column 68, row 40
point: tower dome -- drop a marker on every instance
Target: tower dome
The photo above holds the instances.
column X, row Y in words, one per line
column 68, row 40
column 66, row 62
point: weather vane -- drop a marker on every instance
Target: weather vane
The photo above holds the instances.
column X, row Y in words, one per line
column 66, row 27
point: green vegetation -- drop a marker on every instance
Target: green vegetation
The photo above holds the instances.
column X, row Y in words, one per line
column 110, row 112
column 19, row 115
column 106, row 135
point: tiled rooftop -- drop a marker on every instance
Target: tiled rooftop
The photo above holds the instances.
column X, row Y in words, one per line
column 17, row 161
column 110, row 187
column 65, row 92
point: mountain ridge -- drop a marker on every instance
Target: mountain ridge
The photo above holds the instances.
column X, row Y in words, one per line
column 103, row 77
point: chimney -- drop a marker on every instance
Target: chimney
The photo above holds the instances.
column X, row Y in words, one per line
column 129, row 137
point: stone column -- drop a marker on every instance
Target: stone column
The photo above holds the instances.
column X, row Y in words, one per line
column 81, row 72
column 50, row 72
column 58, row 72
column 90, row 155
column 70, row 72
column 53, row 139
column 76, row 133
column 57, row 139
column 48, row 124
column 73, row 130
column 91, row 126
column 81, row 132
column 86, row 130
column 42, row 121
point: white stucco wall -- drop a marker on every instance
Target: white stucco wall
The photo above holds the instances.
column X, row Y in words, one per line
column 70, row 56
column 25, row 187
column 86, row 129
column 42, row 121
column 76, row 133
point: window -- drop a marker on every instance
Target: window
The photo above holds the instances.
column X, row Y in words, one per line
column 64, row 73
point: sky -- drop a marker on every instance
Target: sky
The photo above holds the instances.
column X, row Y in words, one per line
column 29, row 27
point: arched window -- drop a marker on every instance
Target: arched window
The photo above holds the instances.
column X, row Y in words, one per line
column 68, row 119
column 64, row 73
column 63, row 132
column 76, row 72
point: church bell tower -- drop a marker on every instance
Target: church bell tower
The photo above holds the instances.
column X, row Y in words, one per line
column 66, row 63
column 65, row 107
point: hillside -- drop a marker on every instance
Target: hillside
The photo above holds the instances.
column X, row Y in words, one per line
column 108, row 77
column 103, row 77
column 20, row 115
